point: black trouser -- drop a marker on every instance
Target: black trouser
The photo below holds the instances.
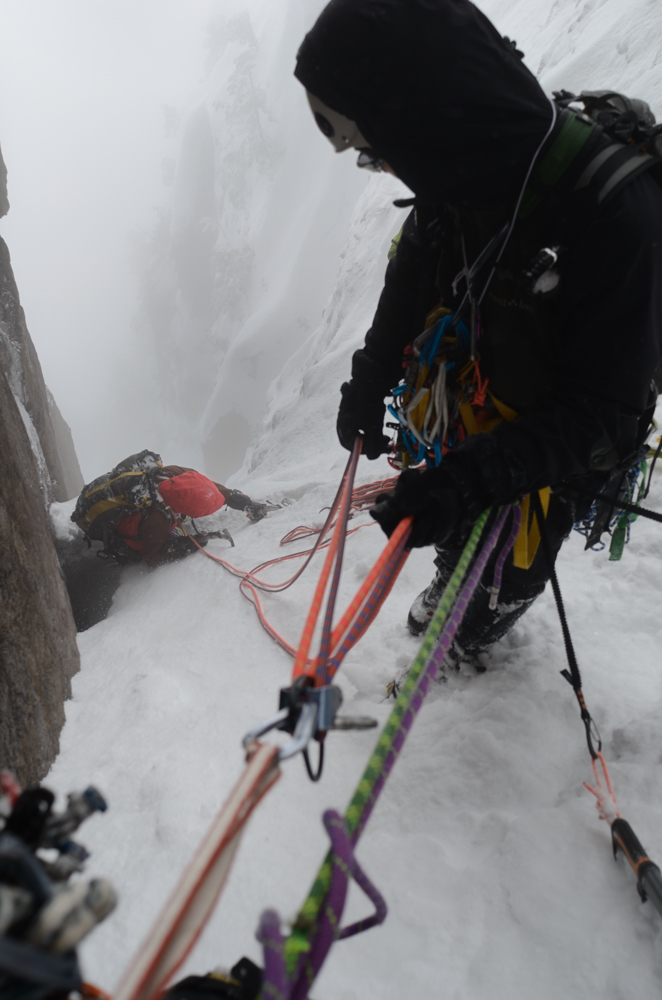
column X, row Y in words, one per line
column 483, row 626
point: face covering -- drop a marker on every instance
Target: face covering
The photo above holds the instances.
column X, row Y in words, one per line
column 434, row 91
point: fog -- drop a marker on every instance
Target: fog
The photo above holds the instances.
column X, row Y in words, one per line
column 83, row 85
column 176, row 220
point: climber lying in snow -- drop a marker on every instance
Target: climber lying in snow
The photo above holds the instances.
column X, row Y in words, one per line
column 143, row 510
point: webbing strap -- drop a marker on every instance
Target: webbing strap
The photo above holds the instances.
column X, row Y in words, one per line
column 528, row 538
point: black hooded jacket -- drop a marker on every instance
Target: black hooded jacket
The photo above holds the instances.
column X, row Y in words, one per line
column 452, row 108
column 435, row 89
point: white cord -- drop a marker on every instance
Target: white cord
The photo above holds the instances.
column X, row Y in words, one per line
column 521, row 195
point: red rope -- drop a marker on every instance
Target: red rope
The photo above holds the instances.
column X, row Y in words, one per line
column 361, row 497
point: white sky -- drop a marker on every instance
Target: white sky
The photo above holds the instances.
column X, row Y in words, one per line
column 82, row 85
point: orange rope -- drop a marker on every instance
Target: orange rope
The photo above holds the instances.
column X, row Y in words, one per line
column 354, row 608
column 90, row 992
column 316, row 605
column 362, row 496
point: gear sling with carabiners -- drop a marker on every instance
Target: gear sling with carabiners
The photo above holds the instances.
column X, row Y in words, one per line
column 443, row 400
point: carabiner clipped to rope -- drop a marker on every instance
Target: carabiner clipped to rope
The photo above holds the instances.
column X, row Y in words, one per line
column 307, row 713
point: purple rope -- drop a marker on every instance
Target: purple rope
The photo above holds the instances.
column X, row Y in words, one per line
column 276, row 983
column 367, row 612
column 434, row 663
column 503, row 555
column 375, row 897
column 328, row 925
column 343, row 867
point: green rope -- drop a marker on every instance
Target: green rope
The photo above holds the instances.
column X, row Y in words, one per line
column 300, row 939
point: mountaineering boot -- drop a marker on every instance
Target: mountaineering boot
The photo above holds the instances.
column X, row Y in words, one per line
column 71, row 914
column 456, row 661
column 482, row 624
column 425, row 605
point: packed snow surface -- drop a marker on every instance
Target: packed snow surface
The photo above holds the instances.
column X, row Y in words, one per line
column 497, row 872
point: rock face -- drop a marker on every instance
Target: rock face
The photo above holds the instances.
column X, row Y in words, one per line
column 59, row 473
column 38, row 653
column 38, row 464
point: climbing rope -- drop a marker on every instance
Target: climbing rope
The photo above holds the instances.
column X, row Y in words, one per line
column 292, row 965
column 366, row 604
column 192, row 901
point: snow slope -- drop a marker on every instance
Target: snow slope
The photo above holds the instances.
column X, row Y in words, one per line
column 496, row 870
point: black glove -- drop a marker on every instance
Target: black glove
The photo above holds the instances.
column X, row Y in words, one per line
column 361, row 413
column 237, row 500
column 435, row 503
column 362, row 406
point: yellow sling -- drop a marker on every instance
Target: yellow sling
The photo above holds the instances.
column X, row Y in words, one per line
column 528, row 538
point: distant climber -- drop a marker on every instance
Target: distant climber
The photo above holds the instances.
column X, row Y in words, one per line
column 143, row 510
column 520, row 324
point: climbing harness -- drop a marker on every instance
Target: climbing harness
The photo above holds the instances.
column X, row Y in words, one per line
column 442, row 400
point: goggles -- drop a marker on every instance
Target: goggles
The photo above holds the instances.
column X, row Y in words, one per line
column 369, row 160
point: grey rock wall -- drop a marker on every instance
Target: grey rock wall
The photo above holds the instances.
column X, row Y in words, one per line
column 59, row 472
column 38, row 464
column 38, row 652
column 50, row 437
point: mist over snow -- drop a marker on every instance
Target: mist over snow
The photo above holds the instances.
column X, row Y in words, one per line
column 242, row 299
column 241, row 264
column 84, row 87
column 177, row 220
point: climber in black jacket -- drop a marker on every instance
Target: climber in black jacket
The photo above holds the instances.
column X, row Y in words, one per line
column 429, row 90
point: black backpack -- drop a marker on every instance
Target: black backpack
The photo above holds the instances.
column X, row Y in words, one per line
column 602, row 142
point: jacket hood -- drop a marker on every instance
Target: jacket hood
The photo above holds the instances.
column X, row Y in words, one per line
column 436, row 91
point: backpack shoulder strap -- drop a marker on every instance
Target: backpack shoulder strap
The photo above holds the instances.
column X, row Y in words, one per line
column 585, row 164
